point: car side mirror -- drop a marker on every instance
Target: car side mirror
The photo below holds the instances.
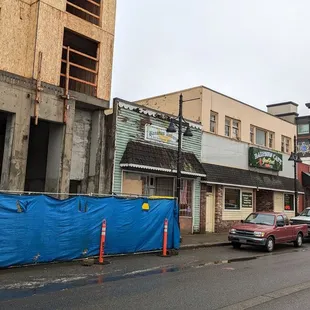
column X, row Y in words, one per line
column 242, row 221
column 297, row 214
column 280, row 224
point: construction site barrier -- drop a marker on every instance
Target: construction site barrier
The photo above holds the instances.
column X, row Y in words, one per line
column 40, row 229
column 102, row 241
column 165, row 237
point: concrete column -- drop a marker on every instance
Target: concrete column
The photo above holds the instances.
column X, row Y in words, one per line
column 55, row 145
column 7, row 154
column 96, row 172
column 66, row 155
column 20, row 142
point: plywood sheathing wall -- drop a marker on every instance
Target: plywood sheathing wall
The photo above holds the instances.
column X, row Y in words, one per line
column 28, row 28
column 49, row 42
column 17, row 19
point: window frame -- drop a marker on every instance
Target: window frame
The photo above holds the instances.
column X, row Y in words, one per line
column 266, row 136
column 231, row 128
column 192, row 183
column 224, row 196
column 293, row 202
column 269, row 137
column 284, row 140
column 303, row 133
column 215, row 121
column 252, row 134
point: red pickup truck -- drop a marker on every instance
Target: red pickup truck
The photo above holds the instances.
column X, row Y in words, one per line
column 267, row 229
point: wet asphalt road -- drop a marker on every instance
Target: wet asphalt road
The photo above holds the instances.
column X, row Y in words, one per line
column 195, row 279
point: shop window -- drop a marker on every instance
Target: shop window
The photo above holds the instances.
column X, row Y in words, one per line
column 213, row 122
column 157, row 186
column 285, row 144
column 288, row 202
column 232, row 199
column 303, row 129
column 186, row 199
column 164, row 187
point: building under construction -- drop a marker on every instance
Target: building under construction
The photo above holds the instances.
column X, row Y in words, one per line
column 55, row 80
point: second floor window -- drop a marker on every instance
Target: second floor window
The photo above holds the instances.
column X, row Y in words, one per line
column 232, row 128
column 252, row 129
column 271, row 140
column 227, row 126
column 302, row 129
column 261, row 136
column 213, row 122
column 285, row 144
column 235, row 129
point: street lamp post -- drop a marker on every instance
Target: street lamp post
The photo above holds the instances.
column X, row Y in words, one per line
column 179, row 122
column 296, row 159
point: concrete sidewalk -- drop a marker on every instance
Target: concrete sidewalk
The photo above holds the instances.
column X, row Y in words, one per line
column 204, row 240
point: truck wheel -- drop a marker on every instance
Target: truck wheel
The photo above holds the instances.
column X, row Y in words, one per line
column 270, row 244
column 236, row 245
column 298, row 241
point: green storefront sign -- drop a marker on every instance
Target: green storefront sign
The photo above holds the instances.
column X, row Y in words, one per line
column 259, row 158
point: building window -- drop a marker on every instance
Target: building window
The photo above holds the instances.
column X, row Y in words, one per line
column 261, row 137
column 227, row 126
column 213, row 122
column 303, row 129
column 158, row 186
column 271, row 140
column 79, row 64
column 88, row 10
column 232, row 128
column 288, row 202
column 235, row 129
column 252, row 134
column 285, row 144
column 232, row 199
column 186, row 199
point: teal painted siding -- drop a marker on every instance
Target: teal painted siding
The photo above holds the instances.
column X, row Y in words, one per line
column 130, row 125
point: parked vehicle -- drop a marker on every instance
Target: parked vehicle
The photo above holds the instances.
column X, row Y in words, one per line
column 267, row 229
column 302, row 218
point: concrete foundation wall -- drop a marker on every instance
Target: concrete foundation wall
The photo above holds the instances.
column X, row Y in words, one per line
column 17, row 96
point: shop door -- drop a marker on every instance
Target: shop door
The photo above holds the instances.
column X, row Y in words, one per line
column 210, row 209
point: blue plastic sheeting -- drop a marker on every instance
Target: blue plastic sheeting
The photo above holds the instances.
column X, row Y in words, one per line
column 37, row 229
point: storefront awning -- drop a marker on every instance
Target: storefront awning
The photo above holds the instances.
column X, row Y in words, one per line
column 245, row 178
column 146, row 156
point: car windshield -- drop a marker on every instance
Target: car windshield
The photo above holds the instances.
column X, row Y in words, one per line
column 260, row 219
column 306, row 212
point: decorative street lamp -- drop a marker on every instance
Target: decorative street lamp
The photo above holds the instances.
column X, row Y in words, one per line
column 179, row 122
column 296, row 159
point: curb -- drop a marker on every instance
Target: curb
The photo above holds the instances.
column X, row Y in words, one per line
column 203, row 245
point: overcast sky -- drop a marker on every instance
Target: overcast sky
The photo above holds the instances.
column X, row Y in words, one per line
column 257, row 51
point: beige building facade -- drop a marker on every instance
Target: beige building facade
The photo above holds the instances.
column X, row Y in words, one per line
column 245, row 154
column 55, row 83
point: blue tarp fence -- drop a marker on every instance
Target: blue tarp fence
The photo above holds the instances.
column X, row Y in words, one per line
column 37, row 229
